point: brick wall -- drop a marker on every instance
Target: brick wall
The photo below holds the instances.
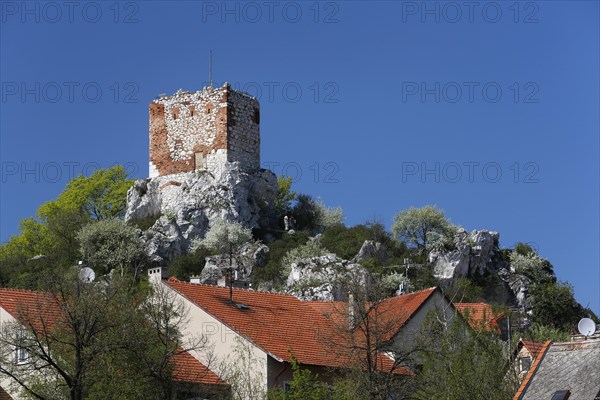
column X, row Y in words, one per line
column 4, row 395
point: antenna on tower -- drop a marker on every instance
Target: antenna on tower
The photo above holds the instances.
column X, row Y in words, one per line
column 210, row 68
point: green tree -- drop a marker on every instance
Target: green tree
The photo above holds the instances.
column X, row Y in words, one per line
column 273, row 273
column 96, row 341
column 416, row 226
column 460, row 363
column 100, row 196
column 540, row 333
column 554, row 306
column 306, row 385
column 285, row 195
column 305, row 212
column 185, row 265
column 53, row 234
column 112, row 244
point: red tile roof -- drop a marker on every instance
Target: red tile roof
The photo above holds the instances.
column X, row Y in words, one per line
column 531, row 372
column 533, row 347
column 42, row 310
column 187, row 368
column 38, row 309
column 282, row 325
column 396, row 311
column 393, row 312
column 480, row 315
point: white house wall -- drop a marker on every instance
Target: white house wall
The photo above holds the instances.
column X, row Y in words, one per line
column 407, row 337
column 223, row 341
column 6, row 383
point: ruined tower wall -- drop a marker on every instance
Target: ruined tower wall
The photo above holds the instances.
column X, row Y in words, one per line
column 209, row 127
column 243, row 122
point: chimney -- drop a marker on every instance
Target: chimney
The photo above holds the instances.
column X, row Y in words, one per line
column 156, row 275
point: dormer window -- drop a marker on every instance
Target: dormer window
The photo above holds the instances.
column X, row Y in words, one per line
column 524, row 364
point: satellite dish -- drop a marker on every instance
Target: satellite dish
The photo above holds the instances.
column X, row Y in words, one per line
column 87, row 275
column 586, row 327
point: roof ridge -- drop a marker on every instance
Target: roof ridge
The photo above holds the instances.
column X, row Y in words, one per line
column 24, row 290
column 249, row 290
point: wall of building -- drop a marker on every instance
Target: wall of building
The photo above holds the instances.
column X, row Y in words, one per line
column 10, row 392
column 219, row 123
column 222, row 340
column 281, row 373
column 408, row 335
column 184, row 124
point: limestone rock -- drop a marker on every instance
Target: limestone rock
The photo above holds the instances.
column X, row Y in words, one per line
column 473, row 253
column 176, row 209
column 324, row 277
column 371, row 250
column 478, row 253
column 244, row 260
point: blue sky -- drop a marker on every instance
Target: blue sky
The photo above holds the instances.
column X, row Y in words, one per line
column 489, row 110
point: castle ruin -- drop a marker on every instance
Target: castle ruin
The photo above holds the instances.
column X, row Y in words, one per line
column 201, row 131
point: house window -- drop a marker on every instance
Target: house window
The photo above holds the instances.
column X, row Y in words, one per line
column 22, row 355
column 287, row 386
column 524, row 364
column 20, row 352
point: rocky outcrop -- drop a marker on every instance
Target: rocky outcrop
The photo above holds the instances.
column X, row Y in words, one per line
column 371, row 250
column 174, row 210
column 473, row 253
column 243, row 260
column 324, row 277
column 478, row 254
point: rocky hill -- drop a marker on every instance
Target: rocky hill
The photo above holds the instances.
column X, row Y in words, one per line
column 174, row 210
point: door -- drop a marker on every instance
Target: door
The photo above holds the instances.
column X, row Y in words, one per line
column 199, row 162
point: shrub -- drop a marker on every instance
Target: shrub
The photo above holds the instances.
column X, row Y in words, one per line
column 312, row 248
column 223, row 234
column 523, row 249
column 532, row 266
column 305, row 212
column 186, row 265
column 273, row 271
column 111, row 243
column 554, row 306
column 328, row 217
column 346, row 242
column 540, row 333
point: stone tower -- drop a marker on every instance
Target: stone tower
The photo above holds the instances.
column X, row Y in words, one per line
column 200, row 131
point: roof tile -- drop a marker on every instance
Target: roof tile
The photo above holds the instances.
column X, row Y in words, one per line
column 283, row 325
